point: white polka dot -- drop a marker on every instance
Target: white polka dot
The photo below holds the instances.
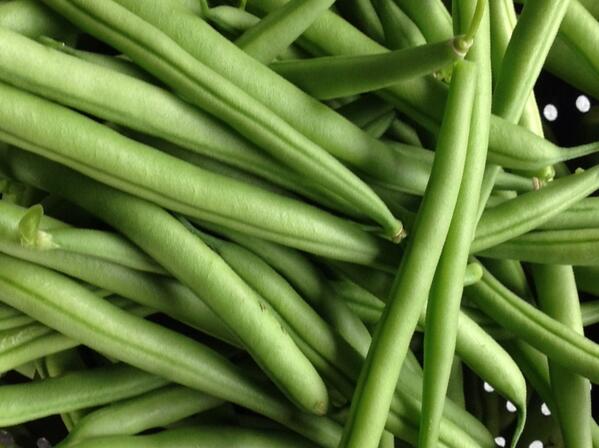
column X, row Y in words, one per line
column 487, row 387
column 545, row 409
column 510, row 407
column 536, row 444
column 583, row 104
column 499, row 441
column 550, row 112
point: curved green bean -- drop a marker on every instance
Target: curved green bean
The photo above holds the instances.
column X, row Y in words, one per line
column 182, row 254
column 278, row 30
column 528, row 211
column 56, row 300
column 202, row 436
column 558, row 298
column 337, row 76
column 124, row 163
column 155, row 51
column 71, row 391
column 380, row 372
column 153, row 409
column 558, row 342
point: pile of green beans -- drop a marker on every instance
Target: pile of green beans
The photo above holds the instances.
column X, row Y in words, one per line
column 296, row 223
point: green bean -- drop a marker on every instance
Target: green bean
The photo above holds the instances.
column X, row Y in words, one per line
column 447, row 287
column 155, row 231
column 511, row 274
column 400, row 31
column 404, row 132
column 431, row 17
column 118, row 64
column 153, row 409
column 455, row 387
column 517, row 155
column 372, row 398
column 364, row 109
column 563, row 62
column 32, row 19
column 279, row 29
column 574, row 247
column 336, row 76
column 364, row 14
column 230, row 19
column 586, row 279
column 14, row 321
column 202, row 436
column 582, row 215
column 56, row 300
column 530, row 210
column 533, row 35
column 558, row 342
column 111, row 96
column 589, row 311
column 380, row 125
column 76, row 390
column 163, row 57
column 154, row 180
column 558, row 298
column 580, row 30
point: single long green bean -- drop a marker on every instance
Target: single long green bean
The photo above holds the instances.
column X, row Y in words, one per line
column 557, row 341
column 212, row 436
column 158, row 53
column 528, row 211
column 77, row 390
column 380, row 372
column 153, row 409
column 443, row 307
column 558, row 298
column 182, row 254
column 524, row 57
column 56, row 300
column 274, row 33
column 337, row 76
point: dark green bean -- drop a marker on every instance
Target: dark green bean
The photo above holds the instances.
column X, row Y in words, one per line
column 404, row 132
column 364, row 14
column 400, row 31
column 586, row 279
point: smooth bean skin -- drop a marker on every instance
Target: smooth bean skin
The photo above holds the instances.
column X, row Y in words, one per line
column 59, row 302
column 274, row 33
column 580, row 30
column 380, row 372
column 330, row 77
column 400, row 31
column 557, row 341
column 432, row 18
column 155, row 51
column 32, row 19
column 153, row 409
column 364, row 14
column 533, row 35
column 186, row 257
column 231, row 19
column 442, row 315
column 77, row 390
column 203, row 436
column 133, row 103
column 526, row 212
column 558, row 298
column 582, row 215
column 112, row 158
